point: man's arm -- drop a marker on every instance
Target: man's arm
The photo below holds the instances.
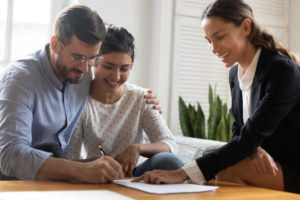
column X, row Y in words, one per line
column 102, row 170
column 17, row 158
column 153, row 99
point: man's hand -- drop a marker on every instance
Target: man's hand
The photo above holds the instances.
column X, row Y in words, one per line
column 128, row 158
column 102, row 170
column 152, row 99
column 163, row 176
column 262, row 162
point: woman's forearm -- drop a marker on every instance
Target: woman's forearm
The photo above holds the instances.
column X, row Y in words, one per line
column 150, row 149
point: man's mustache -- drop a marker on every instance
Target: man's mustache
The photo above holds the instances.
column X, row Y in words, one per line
column 76, row 70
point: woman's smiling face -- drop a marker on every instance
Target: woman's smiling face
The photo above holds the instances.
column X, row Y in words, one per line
column 113, row 71
column 228, row 41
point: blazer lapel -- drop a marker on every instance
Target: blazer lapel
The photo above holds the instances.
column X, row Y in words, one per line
column 255, row 94
column 237, row 108
column 256, row 84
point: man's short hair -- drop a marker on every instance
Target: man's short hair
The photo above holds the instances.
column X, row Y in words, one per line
column 81, row 21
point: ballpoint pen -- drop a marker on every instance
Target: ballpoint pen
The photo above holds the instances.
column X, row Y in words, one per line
column 101, row 150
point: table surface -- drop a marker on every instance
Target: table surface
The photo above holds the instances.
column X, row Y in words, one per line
column 226, row 191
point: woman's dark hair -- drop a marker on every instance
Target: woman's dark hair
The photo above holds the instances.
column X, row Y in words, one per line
column 81, row 21
column 236, row 11
column 118, row 39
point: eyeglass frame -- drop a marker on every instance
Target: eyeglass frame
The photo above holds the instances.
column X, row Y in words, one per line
column 79, row 59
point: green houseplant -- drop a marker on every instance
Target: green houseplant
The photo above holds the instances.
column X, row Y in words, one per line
column 219, row 122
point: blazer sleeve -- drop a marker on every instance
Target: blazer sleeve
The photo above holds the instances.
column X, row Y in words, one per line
column 282, row 90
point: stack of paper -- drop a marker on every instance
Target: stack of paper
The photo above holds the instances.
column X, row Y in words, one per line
column 166, row 188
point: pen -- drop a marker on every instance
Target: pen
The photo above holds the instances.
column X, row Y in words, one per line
column 101, row 150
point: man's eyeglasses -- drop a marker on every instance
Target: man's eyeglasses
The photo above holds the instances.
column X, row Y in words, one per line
column 79, row 59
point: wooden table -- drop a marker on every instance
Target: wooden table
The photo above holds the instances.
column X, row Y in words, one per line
column 226, row 191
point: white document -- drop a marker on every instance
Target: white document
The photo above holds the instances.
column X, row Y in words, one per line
column 64, row 195
column 166, row 188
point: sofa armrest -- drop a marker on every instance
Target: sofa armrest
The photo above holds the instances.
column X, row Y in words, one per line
column 188, row 149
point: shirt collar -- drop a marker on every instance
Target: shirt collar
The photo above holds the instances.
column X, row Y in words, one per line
column 47, row 68
column 246, row 78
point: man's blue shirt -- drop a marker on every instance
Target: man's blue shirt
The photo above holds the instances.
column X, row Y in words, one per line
column 35, row 109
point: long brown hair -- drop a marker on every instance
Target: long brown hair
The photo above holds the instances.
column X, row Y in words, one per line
column 236, row 11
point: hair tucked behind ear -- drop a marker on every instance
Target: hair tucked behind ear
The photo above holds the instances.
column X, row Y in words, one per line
column 236, row 11
column 267, row 40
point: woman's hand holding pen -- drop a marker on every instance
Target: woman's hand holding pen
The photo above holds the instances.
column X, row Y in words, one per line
column 262, row 162
column 128, row 158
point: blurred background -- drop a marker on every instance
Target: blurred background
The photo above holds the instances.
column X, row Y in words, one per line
column 172, row 56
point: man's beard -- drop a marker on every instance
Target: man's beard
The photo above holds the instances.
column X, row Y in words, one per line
column 64, row 71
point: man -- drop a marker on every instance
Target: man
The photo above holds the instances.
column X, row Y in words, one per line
column 41, row 100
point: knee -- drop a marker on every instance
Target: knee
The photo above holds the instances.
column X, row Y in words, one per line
column 167, row 161
column 236, row 173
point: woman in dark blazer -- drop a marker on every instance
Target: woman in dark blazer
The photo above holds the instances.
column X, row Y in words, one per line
column 265, row 89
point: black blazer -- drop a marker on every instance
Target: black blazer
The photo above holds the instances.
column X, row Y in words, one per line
column 275, row 120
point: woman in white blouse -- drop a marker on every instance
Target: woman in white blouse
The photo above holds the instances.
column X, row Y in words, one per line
column 116, row 115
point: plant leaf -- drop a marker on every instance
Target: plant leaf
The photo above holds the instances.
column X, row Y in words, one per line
column 221, row 130
column 184, row 119
column 229, row 125
column 199, row 130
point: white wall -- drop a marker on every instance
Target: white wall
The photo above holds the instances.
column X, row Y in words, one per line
column 161, row 45
column 295, row 27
